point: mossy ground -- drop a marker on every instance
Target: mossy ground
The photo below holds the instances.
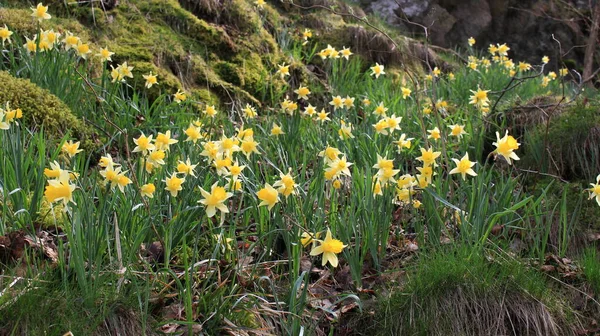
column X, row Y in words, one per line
column 46, row 307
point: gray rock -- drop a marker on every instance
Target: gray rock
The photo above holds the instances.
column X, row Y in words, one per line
column 386, row 9
column 414, row 8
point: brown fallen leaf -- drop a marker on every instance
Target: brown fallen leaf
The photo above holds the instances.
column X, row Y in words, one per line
column 411, row 247
column 174, row 311
column 169, row 328
column 593, row 236
column 497, row 230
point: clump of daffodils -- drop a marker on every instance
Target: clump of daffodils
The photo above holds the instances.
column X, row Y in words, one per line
column 113, row 175
column 121, row 72
column 331, row 53
column 385, row 174
column 428, row 158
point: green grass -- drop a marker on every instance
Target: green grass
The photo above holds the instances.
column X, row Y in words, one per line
column 591, row 268
column 44, row 306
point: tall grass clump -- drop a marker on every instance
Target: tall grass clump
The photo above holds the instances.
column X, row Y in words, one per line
column 453, row 291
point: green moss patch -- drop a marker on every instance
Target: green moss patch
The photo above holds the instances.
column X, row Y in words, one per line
column 42, row 109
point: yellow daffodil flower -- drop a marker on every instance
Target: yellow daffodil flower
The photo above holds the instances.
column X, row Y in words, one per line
column 215, row 200
column 329, row 248
column 377, row 70
column 40, row 12
column 506, row 146
column 173, row 184
column 463, row 167
column 151, row 79
column 268, row 196
column 148, row 190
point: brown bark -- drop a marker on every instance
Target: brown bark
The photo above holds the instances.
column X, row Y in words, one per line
column 588, row 60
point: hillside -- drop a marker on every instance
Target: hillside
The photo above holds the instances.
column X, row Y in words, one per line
column 241, row 167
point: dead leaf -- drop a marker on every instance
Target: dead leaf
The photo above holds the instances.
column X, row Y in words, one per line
column 169, row 328
column 593, row 236
column 497, row 229
column 175, row 311
column 411, row 247
column 348, row 307
column 445, row 240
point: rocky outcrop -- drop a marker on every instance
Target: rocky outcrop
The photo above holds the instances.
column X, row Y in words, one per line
column 527, row 26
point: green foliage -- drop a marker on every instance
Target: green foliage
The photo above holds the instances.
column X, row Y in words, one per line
column 42, row 109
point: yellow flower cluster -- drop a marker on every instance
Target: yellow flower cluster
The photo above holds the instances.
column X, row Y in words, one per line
column 337, row 166
column 59, row 188
column 113, row 175
column 480, row 100
column 331, row 53
column 223, row 156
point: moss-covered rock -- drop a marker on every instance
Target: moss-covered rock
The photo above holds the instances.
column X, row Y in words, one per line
column 42, row 109
column 167, row 82
column 22, row 24
column 227, row 47
column 206, row 76
column 240, row 14
column 228, row 72
column 206, row 97
column 185, row 23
